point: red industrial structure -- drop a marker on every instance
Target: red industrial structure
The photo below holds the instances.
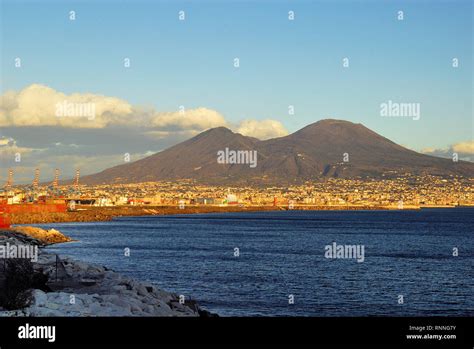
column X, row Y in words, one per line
column 4, row 221
column 46, row 207
column 42, row 204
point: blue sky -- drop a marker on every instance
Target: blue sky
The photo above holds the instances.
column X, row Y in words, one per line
column 282, row 62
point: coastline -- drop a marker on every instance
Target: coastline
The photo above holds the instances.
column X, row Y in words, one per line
column 98, row 214
column 57, row 286
column 96, row 290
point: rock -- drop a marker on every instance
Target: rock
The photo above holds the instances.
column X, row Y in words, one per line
column 121, row 303
column 88, row 282
column 97, row 291
column 46, row 237
column 119, row 288
column 141, row 290
column 39, row 297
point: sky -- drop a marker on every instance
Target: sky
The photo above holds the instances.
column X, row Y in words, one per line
column 189, row 64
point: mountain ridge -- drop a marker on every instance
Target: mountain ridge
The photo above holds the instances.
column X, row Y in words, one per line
column 326, row 148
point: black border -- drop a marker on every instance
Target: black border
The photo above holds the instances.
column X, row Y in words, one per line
column 329, row 332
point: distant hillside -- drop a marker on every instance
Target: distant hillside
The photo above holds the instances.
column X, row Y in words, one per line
column 314, row 152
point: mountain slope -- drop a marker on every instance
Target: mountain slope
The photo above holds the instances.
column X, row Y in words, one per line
column 318, row 150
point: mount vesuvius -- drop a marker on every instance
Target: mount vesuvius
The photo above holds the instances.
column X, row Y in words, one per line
column 314, row 152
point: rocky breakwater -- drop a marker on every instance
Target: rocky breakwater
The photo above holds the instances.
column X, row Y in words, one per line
column 52, row 286
column 44, row 237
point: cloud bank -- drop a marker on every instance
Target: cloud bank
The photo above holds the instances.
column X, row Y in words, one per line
column 465, row 151
column 53, row 129
column 39, row 105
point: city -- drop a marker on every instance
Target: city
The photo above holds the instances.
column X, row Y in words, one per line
column 398, row 193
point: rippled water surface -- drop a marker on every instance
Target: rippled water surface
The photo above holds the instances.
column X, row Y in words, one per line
column 407, row 253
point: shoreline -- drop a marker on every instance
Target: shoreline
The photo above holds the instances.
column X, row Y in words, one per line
column 64, row 287
column 102, row 214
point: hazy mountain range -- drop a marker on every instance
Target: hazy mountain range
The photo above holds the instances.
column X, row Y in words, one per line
column 327, row 148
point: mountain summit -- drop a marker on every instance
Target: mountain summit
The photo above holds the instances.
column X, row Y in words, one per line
column 327, row 148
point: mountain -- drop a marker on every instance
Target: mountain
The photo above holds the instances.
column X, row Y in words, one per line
column 316, row 151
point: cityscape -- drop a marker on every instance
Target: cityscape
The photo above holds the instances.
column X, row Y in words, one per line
column 402, row 192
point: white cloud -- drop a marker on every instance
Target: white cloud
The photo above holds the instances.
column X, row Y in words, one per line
column 5, row 141
column 465, row 150
column 181, row 134
column 9, row 147
column 464, row 147
column 261, row 129
column 195, row 119
column 428, row 150
column 38, row 105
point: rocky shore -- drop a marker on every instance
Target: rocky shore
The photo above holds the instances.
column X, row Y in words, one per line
column 45, row 237
column 54, row 286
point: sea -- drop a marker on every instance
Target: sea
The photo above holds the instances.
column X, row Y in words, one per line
column 294, row 263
